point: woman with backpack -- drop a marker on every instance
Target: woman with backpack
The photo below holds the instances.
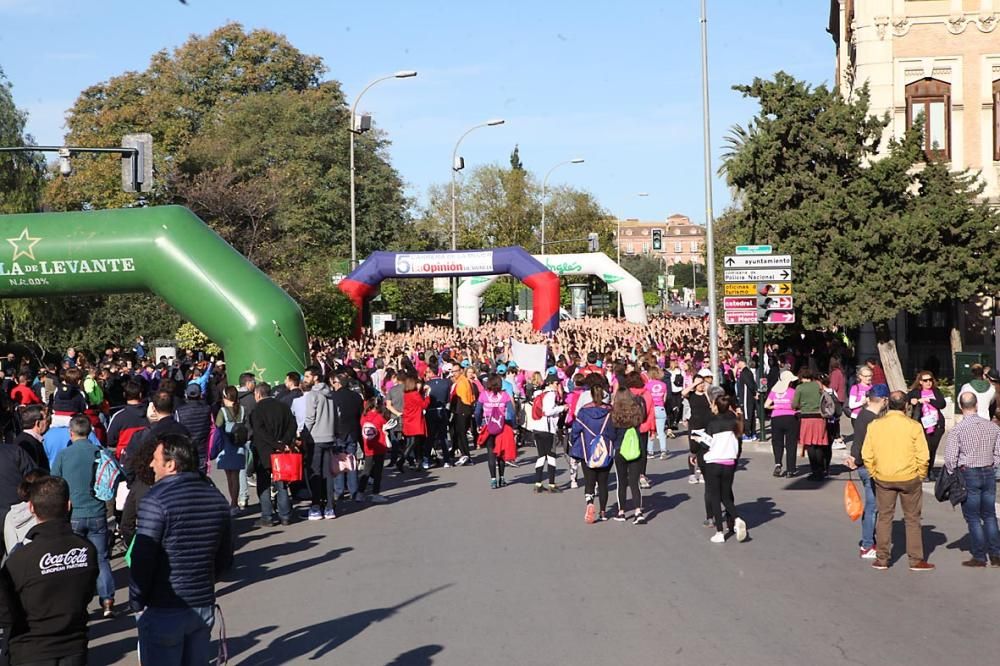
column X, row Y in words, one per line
column 637, row 386
column 721, row 451
column 628, row 415
column 593, row 443
column 231, row 439
column 542, row 419
column 812, row 426
column 495, row 420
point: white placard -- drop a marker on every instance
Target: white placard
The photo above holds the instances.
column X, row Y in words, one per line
column 529, row 357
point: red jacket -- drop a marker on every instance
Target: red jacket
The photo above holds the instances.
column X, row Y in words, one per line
column 414, row 404
column 377, row 446
column 504, row 445
column 23, row 395
column 649, row 425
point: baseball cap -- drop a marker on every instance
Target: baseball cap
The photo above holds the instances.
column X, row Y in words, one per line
column 465, row 363
column 501, row 369
column 193, row 391
column 879, row 391
column 993, row 375
column 705, row 372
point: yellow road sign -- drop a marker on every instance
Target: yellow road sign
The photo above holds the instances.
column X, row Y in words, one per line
column 741, row 289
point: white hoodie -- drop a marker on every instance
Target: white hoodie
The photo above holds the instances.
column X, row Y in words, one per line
column 17, row 524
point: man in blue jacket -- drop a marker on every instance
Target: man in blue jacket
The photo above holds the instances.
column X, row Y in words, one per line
column 183, row 543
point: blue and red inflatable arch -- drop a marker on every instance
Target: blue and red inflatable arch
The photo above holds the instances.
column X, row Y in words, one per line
column 363, row 282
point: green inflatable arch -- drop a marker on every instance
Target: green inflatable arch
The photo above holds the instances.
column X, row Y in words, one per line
column 169, row 251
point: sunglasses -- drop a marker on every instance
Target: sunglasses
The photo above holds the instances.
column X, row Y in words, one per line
column 926, row 379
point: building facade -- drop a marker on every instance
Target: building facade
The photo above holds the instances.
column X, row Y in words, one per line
column 938, row 60
column 682, row 241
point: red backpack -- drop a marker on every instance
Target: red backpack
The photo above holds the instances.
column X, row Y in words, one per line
column 124, row 437
column 537, row 410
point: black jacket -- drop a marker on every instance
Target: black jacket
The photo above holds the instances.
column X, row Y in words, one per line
column 274, row 428
column 34, row 449
column 349, row 406
column 166, row 426
column 14, row 464
column 196, row 416
column 129, row 416
column 865, row 417
column 183, row 543
column 45, row 588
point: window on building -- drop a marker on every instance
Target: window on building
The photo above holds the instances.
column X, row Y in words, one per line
column 645, row 248
column 931, row 100
column 630, row 248
column 996, row 120
column 678, row 246
column 694, row 246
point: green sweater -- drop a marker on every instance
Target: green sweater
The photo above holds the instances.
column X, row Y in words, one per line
column 76, row 464
column 807, row 398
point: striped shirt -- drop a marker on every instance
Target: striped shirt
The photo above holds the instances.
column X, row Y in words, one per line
column 975, row 442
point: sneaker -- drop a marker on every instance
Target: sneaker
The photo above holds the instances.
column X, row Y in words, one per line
column 493, row 484
column 838, row 444
column 446, row 465
column 650, row 456
column 589, row 514
column 701, row 479
column 777, row 471
column 664, row 456
column 109, row 608
column 462, row 461
column 601, row 517
column 502, row 481
column 329, row 514
column 640, row 519
column 426, row 464
column 619, row 517
column 718, row 537
column 573, row 484
column 740, row 527
column 644, row 483
column 867, row 553
column 264, row 522
column 995, row 560
column 553, row 488
column 538, row 489
column 922, row 565
column 693, row 479
column 974, row 563
column 670, row 434
column 315, row 513
column 378, row 499
column 880, row 565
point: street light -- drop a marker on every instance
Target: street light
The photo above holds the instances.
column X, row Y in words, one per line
column 713, row 335
column 359, row 128
column 457, row 164
column 618, row 247
column 545, row 182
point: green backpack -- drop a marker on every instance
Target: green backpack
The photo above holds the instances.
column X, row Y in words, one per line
column 630, row 445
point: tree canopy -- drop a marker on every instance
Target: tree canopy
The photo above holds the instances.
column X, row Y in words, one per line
column 21, row 174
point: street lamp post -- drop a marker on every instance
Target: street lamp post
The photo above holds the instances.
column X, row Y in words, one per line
column 713, row 336
column 457, row 164
column 618, row 244
column 545, row 182
column 404, row 74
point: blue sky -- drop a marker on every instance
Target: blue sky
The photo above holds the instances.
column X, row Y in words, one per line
column 617, row 83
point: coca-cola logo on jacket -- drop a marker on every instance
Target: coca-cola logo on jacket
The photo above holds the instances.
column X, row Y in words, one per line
column 74, row 558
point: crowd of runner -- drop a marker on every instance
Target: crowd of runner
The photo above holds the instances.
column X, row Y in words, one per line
column 611, row 396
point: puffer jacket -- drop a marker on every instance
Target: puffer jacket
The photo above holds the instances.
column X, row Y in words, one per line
column 594, row 418
column 196, row 416
column 184, row 541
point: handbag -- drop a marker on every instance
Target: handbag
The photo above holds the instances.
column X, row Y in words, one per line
column 853, row 503
column 342, row 462
column 286, row 467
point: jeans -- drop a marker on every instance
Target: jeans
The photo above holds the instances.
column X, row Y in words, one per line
column 980, row 511
column 264, row 495
column 350, row 448
column 95, row 530
column 176, row 636
column 660, row 413
column 868, row 517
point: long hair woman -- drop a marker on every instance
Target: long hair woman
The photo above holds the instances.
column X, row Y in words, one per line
column 927, row 401
column 626, row 414
column 415, row 402
column 494, row 415
column 232, row 457
column 594, row 430
column 637, row 387
column 725, row 430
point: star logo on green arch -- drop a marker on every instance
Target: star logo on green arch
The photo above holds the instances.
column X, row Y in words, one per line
column 24, row 245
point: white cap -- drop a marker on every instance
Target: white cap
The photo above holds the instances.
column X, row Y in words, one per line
column 705, row 372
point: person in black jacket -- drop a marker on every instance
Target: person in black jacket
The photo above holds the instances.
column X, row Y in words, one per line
column 196, row 416
column 35, row 423
column 162, row 422
column 183, row 543
column 274, row 430
column 348, row 407
column 926, row 403
column 129, row 417
column 874, row 408
column 46, row 585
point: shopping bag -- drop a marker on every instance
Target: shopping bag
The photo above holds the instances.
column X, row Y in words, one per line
column 286, row 467
column 342, row 462
column 853, row 503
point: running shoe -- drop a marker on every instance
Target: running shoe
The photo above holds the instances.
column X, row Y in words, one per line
column 640, row 519
column 315, row 513
column 701, row 479
column 573, row 485
column 838, row 444
column 553, row 488
column 693, row 479
column 493, row 484
column 644, row 483
column 538, row 489
column 502, row 481
column 718, row 537
column 741, row 529
column 426, row 464
column 378, row 499
column 589, row 514
column 664, row 455
column 619, row 517
column 461, row 461
column 867, row 553
column 777, row 471
column 650, row 456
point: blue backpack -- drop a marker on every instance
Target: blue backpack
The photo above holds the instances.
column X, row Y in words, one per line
column 107, row 474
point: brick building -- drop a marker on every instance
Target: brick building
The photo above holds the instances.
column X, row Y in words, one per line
column 682, row 240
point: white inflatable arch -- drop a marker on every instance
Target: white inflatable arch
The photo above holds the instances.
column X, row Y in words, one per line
column 584, row 263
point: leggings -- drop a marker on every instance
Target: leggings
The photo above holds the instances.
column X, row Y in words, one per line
column 628, row 479
column 544, row 442
column 644, row 449
column 372, row 470
column 415, row 449
column 599, row 477
column 933, row 440
column 784, row 439
column 460, row 429
column 495, row 464
column 819, row 459
column 719, row 492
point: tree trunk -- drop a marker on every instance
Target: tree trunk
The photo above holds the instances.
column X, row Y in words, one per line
column 956, row 334
column 890, row 359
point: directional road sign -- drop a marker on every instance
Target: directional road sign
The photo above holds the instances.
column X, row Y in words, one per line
column 778, row 302
column 753, row 249
column 762, row 261
column 734, row 317
column 780, row 318
column 758, row 275
column 746, row 289
column 780, row 288
column 740, row 303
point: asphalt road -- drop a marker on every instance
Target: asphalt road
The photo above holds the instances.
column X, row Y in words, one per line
column 452, row 572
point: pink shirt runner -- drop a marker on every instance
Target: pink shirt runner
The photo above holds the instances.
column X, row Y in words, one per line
column 782, row 403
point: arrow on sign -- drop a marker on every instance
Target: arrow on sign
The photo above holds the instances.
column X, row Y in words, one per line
column 757, row 275
column 767, row 289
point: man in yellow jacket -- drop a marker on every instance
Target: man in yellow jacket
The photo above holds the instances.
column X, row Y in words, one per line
column 895, row 454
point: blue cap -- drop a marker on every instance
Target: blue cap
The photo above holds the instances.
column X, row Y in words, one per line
column 501, row 369
column 553, row 370
column 465, row 363
column 879, row 391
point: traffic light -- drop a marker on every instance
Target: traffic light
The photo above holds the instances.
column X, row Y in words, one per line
column 657, row 239
column 592, row 242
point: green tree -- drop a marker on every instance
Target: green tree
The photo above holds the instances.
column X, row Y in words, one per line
column 21, row 174
column 870, row 236
column 515, row 160
column 644, row 268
